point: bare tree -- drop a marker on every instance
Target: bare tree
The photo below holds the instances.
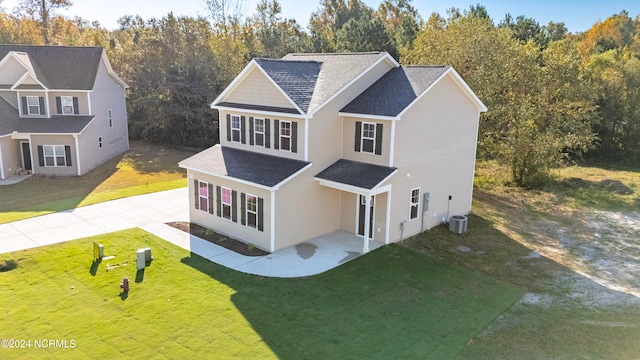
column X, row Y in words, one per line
column 225, row 13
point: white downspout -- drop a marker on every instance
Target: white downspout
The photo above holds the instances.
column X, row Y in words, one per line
column 306, row 139
column 388, row 223
column 75, row 137
column 2, row 165
column 367, row 222
column 273, row 221
column 392, row 145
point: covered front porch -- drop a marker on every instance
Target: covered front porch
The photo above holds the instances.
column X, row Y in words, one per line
column 365, row 204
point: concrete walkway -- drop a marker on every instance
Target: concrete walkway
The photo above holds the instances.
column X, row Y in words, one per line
column 150, row 212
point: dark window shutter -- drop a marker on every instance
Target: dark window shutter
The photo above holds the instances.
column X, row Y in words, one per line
column 378, row 139
column 358, row 135
column 40, row 154
column 234, row 206
column 210, row 193
column 228, row 127
column 41, row 103
column 67, row 154
column 243, row 133
column 276, row 134
column 294, row 137
column 250, row 130
column 218, row 201
column 267, row 134
column 243, row 209
column 75, row 105
column 260, row 214
column 59, row 104
column 25, row 109
column 196, row 194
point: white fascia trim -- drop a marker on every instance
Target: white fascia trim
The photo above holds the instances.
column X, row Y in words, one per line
column 366, row 116
column 388, row 222
column 278, row 185
column 306, row 139
column 19, row 82
column 14, row 137
column 259, row 112
column 240, row 181
column 273, row 221
column 388, row 58
column 110, row 71
column 459, row 81
column 354, row 189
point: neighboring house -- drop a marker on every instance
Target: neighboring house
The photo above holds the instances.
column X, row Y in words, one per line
column 62, row 110
column 315, row 143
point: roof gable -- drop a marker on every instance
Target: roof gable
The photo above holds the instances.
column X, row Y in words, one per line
column 258, row 89
column 400, row 88
column 58, row 67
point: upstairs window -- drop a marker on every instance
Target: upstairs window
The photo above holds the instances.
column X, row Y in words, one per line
column 368, row 138
column 285, row 135
column 258, row 132
column 67, row 105
column 33, row 105
column 235, row 128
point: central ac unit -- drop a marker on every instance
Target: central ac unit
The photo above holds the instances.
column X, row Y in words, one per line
column 458, row 224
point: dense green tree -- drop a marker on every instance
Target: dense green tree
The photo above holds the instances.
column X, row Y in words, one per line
column 364, row 34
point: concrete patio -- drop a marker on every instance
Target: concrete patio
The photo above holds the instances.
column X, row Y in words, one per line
column 150, row 212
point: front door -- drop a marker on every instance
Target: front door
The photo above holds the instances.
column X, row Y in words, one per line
column 26, row 155
column 361, row 217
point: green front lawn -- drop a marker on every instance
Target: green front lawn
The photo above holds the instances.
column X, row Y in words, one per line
column 145, row 168
column 391, row 303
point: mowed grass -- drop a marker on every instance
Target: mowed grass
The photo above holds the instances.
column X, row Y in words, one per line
column 145, row 168
column 391, row 303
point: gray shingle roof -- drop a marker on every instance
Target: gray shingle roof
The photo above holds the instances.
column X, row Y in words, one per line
column 10, row 121
column 61, row 67
column 245, row 165
column 335, row 71
column 393, row 92
column 355, row 173
column 296, row 78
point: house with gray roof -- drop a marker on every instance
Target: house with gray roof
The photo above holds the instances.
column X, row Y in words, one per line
column 62, row 110
column 311, row 144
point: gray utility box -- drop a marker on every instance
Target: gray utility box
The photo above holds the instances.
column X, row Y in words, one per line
column 143, row 257
column 458, row 224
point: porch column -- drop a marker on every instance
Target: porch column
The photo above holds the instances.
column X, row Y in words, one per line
column 367, row 222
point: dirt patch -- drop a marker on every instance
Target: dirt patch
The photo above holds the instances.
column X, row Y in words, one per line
column 218, row 239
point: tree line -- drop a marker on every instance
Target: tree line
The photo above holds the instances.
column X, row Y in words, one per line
column 553, row 96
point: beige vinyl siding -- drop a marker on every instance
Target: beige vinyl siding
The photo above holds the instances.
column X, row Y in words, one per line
column 299, row 155
column 107, row 94
column 83, row 102
column 434, row 150
column 65, row 140
column 257, row 89
column 9, row 156
column 349, row 214
column 348, row 142
column 304, row 210
column 29, row 80
column 11, row 72
column 235, row 230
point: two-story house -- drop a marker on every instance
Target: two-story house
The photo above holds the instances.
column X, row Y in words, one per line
column 315, row 143
column 62, row 110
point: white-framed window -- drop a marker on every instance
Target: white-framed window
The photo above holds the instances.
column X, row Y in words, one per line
column 110, row 115
column 285, row 135
column 33, row 105
column 203, row 196
column 67, row 105
column 100, row 141
column 258, row 131
column 414, row 203
column 54, row 155
column 368, row 139
column 251, row 207
column 225, row 199
column 235, row 128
